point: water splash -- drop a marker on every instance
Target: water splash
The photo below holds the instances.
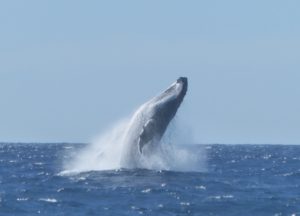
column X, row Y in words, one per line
column 103, row 153
column 106, row 152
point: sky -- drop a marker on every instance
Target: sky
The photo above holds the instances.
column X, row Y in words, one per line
column 71, row 69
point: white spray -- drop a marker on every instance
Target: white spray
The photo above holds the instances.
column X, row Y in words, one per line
column 106, row 152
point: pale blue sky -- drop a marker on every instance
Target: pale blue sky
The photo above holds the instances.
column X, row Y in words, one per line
column 70, row 69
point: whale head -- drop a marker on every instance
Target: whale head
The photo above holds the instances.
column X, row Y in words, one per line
column 166, row 104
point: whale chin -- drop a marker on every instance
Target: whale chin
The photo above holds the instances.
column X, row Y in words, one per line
column 151, row 120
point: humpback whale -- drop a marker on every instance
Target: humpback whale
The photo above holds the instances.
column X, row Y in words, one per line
column 149, row 123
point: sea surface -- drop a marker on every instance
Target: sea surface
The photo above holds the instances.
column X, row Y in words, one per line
column 237, row 180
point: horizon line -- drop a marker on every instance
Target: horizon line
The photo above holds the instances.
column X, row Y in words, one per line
column 85, row 143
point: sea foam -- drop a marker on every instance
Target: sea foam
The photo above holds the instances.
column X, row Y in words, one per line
column 106, row 151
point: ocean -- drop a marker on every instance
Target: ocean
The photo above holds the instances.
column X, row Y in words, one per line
column 233, row 180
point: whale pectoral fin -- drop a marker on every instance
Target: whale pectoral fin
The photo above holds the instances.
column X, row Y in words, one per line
column 146, row 134
column 141, row 145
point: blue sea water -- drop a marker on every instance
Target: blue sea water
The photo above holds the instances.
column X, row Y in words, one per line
column 238, row 180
